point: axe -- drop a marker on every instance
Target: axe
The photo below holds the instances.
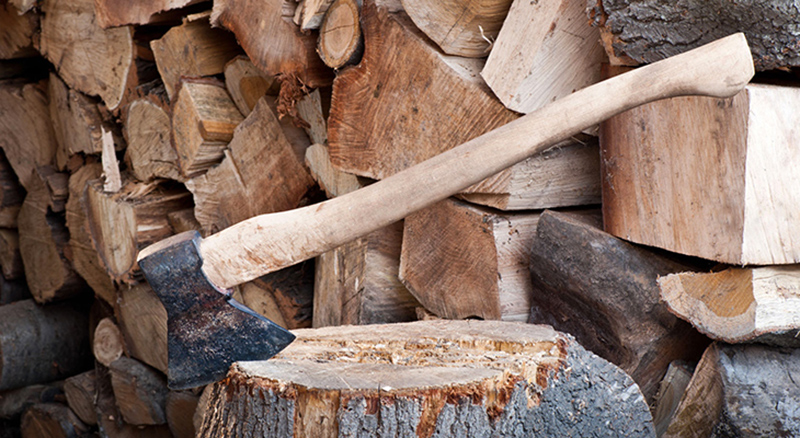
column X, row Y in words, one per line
column 208, row 330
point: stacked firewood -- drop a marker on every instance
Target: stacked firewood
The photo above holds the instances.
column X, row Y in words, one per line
column 661, row 247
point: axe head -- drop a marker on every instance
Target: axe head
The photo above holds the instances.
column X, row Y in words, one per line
column 207, row 329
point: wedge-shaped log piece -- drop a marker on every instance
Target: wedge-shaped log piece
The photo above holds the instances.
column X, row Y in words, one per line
column 140, row 392
column 272, row 41
column 96, row 61
column 109, row 418
column 193, row 49
column 462, row 261
column 52, row 420
column 16, row 32
column 310, row 109
column 603, row 291
column 310, row 13
column 113, row 13
column 460, row 27
column 644, row 31
column 122, row 223
column 740, row 391
column 381, row 122
column 80, row 393
column 260, row 173
column 358, row 283
column 15, row 402
column 432, row 378
column 203, row 120
column 143, row 323
column 246, row 84
column 286, row 296
column 739, row 304
column 714, row 178
column 545, row 50
column 147, row 129
column 333, row 181
column 11, row 194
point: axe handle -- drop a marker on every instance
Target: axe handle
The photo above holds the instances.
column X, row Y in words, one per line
column 270, row 242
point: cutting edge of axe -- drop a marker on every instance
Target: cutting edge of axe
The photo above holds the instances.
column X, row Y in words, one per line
column 266, row 243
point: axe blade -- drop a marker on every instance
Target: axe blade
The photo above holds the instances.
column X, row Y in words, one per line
column 207, row 329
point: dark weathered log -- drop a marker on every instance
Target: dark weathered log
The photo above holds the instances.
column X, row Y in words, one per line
column 80, row 391
column 10, row 257
column 109, row 420
column 42, row 343
column 140, row 392
column 13, row 403
column 644, row 31
column 432, row 378
column 52, row 420
column 670, row 392
column 143, row 322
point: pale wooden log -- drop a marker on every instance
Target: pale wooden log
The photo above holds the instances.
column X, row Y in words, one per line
column 108, row 344
column 545, row 51
column 310, row 13
column 112, row 179
column 10, row 257
column 52, row 420
column 462, row 261
column 96, row 61
column 192, row 49
column 80, row 392
column 393, row 128
column 331, row 180
column 259, row 173
column 203, row 120
column 246, row 84
column 340, row 40
column 432, row 378
column 143, row 322
column 11, row 194
column 635, row 32
column 274, row 44
column 34, row 338
column 140, row 392
column 670, row 392
column 461, row 27
column 44, row 245
column 26, row 134
column 233, row 257
column 760, row 304
column 13, row 403
column 707, row 177
column 113, row 13
column 16, row 32
column 603, row 291
column 85, row 259
column 150, row 154
column 292, row 291
column 740, row 391
column 122, row 223
column 310, row 109
column 357, row 283
column 181, row 406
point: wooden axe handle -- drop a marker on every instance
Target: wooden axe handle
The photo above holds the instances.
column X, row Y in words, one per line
column 270, row 242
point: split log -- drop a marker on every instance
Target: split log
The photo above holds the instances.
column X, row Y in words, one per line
column 52, row 420
column 13, row 403
column 545, row 51
column 636, row 32
column 603, row 291
column 123, row 223
column 16, row 32
column 674, row 176
column 150, row 154
column 740, row 391
column 85, row 259
column 379, row 121
column 340, row 40
column 113, row 13
column 460, row 27
column 42, row 343
column 310, row 13
column 463, row 261
column 203, row 120
column 310, row 109
column 670, row 392
column 107, row 344
column 109, row 420
column 26, row 134
column 260, row 301
column 143, row 322
column 331, row 180
column 739, row 305
column 246, row 84
column 274, row 44
column 80, row 392
column 44, row 244
column 448, row 378
column 140, row 392
column 10, row 257
column 357, row 283
column 193, row 49
column 285, row 295
column 260, row 173
column 181, row 406
column 96, row 61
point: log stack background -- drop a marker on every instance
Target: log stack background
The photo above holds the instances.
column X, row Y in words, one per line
column 664, row 241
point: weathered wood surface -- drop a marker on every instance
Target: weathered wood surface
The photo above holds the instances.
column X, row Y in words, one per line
column 107, row 343
column 333, row 181
column 140, row 392
column 14, row 402
column 16, row 32
column 143, row 323
column 113, row 13
column 464, row 261
column 52, row 420
column 760, row 304
column 340, row 39
column 603, row 291
column 713, row 178
column 433, row 378
column 11, row 194
column 10, row 257
column 670, row 392
column 246, row 84
column 292, row 291
column 147, row 129
column 181, row 406
column 79, row 391
column 644, row 31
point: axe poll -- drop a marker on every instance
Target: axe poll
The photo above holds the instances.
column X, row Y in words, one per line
column 208, row 330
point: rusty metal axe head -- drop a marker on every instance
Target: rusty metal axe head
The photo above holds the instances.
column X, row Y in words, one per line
column 208, row 330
